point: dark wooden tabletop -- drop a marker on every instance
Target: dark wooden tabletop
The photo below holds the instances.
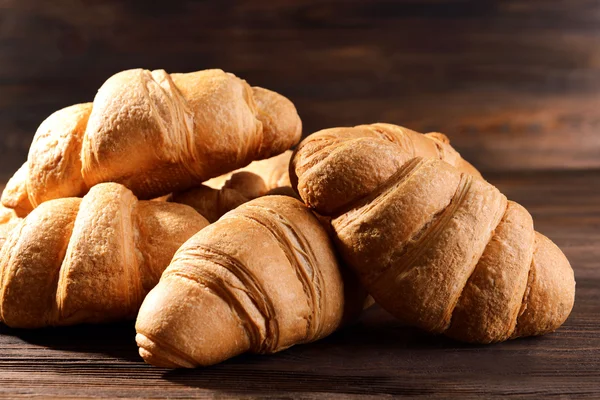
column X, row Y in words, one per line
column 376, row 356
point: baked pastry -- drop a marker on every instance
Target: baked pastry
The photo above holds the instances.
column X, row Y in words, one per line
column 89, row 260
column 273, row 171
column 261, row 279
column 363, row 156
column 14, row 195
column 226, row 192
column 434, row 245
column 155, row 133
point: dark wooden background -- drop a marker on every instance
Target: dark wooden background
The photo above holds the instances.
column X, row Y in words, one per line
column 513, row 82
column 516, row 84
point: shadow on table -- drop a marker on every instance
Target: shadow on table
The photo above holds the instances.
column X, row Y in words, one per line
column 365, row 358
column 376, row 355
column 113, row 340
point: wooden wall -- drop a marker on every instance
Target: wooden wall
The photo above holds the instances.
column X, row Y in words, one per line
column 514, row 83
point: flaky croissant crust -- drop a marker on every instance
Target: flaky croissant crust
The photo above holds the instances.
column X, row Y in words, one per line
column 261, row 279
column 89, row 260
column 364, row 156
column 437, row 247
column 155, row 133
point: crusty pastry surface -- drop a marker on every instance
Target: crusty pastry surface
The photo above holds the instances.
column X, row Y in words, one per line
column 363, row 157
column 261, row 279
column 433, row 243
column 155, row 133
column 89, row 260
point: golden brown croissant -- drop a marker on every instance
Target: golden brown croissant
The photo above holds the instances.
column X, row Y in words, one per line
column 261, row 279
column 226, row 192
column 89, row 260
column 439, row 248
column 155, row 133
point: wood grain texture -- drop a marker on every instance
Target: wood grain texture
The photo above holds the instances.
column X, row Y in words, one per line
column 513, row 82
column 377, row 356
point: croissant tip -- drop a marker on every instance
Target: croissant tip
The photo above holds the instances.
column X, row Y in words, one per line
column 152, row 359
column 154, row 354
column 280, row 118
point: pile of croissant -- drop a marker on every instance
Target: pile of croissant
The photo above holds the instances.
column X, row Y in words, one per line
column 175, row 199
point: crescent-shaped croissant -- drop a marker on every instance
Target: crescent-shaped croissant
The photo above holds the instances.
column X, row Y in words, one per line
column 437, row 247
column 155, row 133
column 261, row 279
column 89, row 260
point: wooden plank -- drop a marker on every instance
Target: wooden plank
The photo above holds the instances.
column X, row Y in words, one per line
column 376, row 356
column 513, row 84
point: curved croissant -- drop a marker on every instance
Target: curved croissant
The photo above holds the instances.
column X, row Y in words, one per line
column 89, row 260
column 439, row 248
column 226, row 192
column 225, row 294
column 155, row 133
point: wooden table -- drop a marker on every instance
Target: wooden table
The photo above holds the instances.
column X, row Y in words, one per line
column 376, row 356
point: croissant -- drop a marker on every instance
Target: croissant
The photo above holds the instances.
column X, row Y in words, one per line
column 89, row 260
column 226, row 192
column 155, row 133
column 261, row 279
column 440, row 249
